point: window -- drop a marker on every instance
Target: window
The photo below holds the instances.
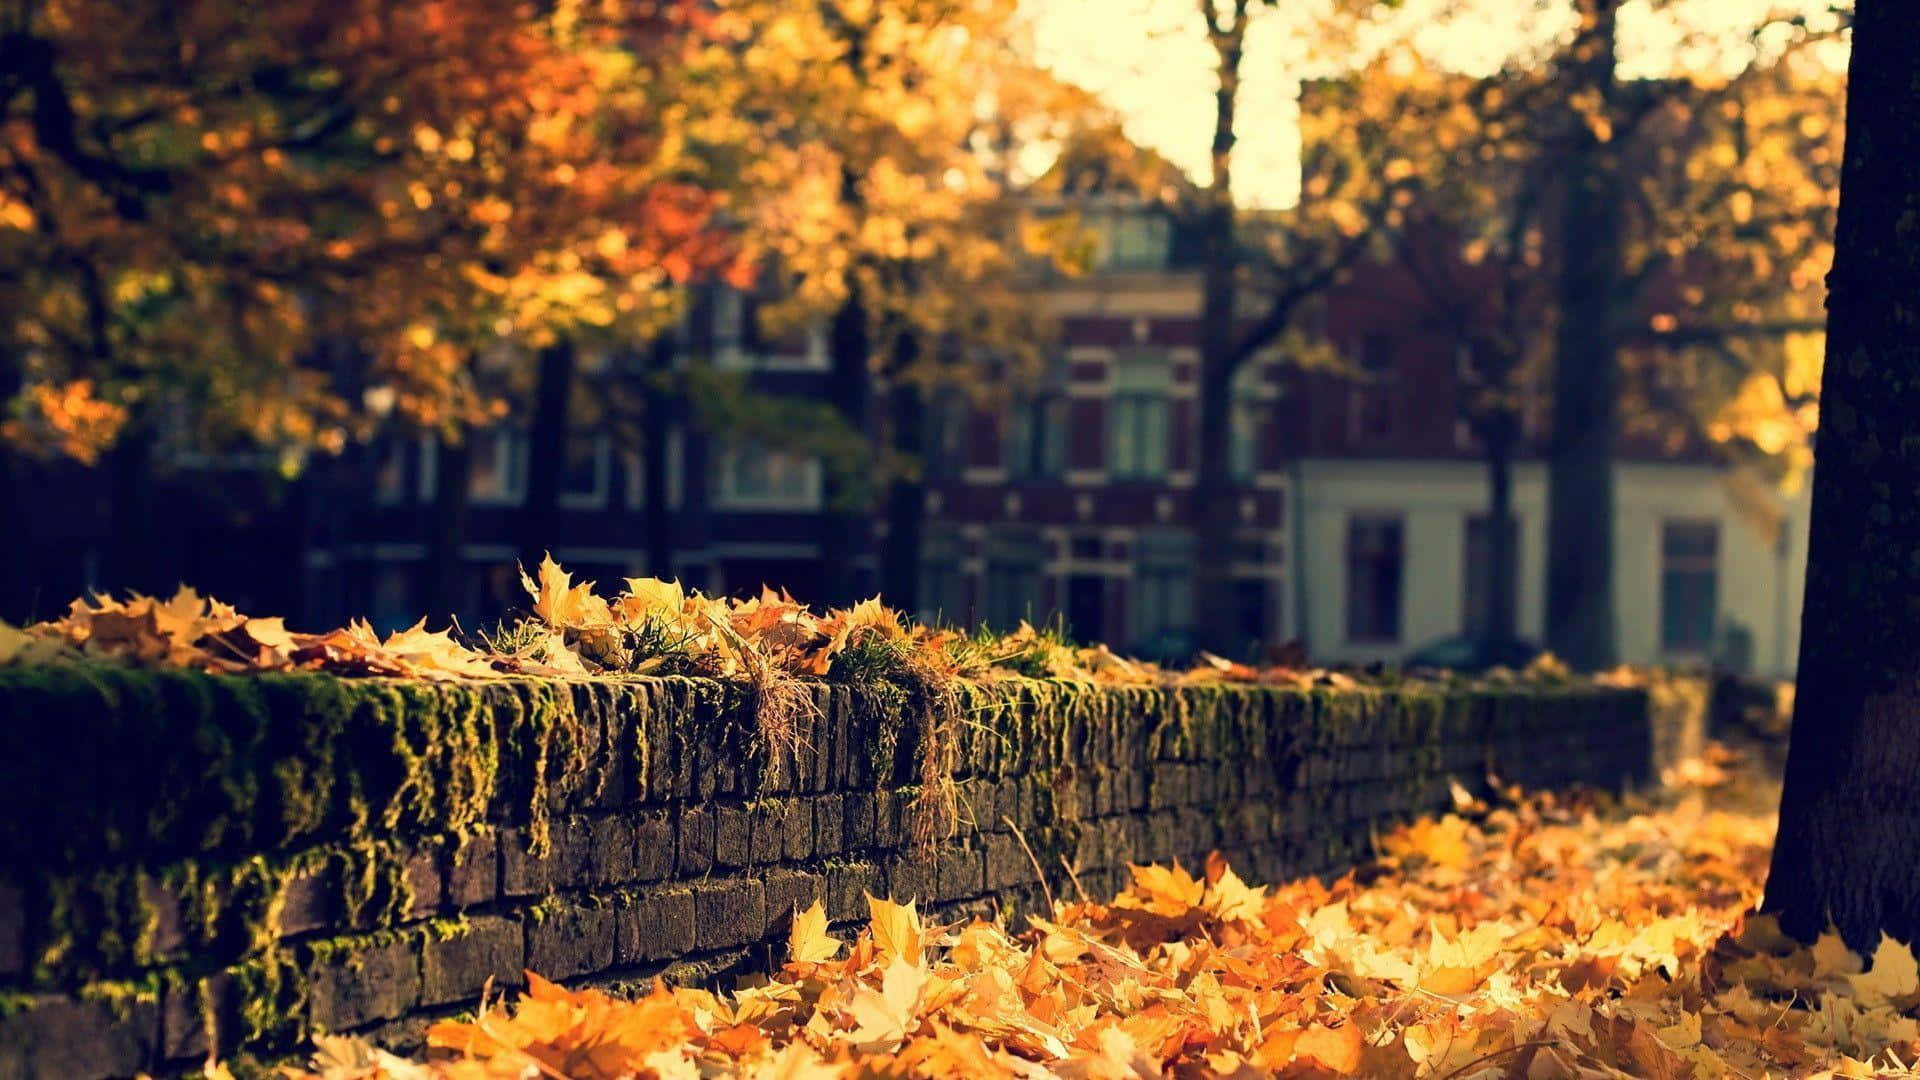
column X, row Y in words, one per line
column 1137, row 415
column 941, row 598
column 1243, row 445
column 730, row 351
column 1373, row 579
column 948, row 420
column 584, row 470
column 1689, row 584
column 1477, row 571
column 1134, row 240
column 1037, row 437
column 1163, row 587
column 1013, row 579
column 633, row 462
column 499, row 469
column 1251, row 611
column 1373, row 391
column 755, row 477
column 391, row 605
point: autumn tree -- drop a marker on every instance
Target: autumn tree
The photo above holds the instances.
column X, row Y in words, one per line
column 884, row 137
column 1257, row 280
column 1848, row 850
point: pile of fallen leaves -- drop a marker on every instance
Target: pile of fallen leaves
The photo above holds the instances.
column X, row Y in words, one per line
column 650, row 627
column 1541, row 937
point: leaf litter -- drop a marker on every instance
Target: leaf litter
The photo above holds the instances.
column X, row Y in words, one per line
column 1538, row 936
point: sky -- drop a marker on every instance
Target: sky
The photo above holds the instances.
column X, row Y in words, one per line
column 1151, row 61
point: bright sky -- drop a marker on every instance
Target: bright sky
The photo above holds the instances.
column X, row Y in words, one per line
column 1150, row 60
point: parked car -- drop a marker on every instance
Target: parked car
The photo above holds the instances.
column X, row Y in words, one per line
column 1468, row 653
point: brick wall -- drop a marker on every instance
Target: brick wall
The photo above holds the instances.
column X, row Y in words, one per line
column 190, row 862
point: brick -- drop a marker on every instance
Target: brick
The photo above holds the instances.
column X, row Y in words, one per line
column 455, row 968
column 912, row 877
column 789, row 891
column 961, row 873
column 426, row 884
column 696, row 841
column 768, row 843
column 798, row 830
column 183, row 1020
column 829, row 825
column 348, row 988
column 653, row 846
column 848, row 886
column 568, row 939
column 166, row 926
column 526, row 873
column 309, row 900
column 473, row 870
column 1007, row 863
column 729, row 913
column 78, row 1040
column 653, row 926
column 612, row 849
column 860, row 820
column 732, row 830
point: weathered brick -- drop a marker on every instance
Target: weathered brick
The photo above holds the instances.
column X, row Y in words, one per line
column 912, row 876
column 829, row 825
column 789, row 891
column 473, row 870
column 309, row 900
column 768, row 842
column 568, row 939
column 860, row 820
column 523, row 872
column 349, row 987
column 961, row 873
column 426, row 884
column 653, row 926
column 78, row 1040
column 848, row 886
column 732, row 830
column 613, row 862
column 696, row 841
column 798, row 830
column 1007, row 862
column 455, row 967
column 183, row 1020
column 653, row 846
column 728, row 913
column 166, row 922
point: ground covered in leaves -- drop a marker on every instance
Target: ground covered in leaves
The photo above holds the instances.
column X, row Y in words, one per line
column 1536, row 937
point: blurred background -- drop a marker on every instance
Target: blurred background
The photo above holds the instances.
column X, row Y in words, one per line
column 1444, row 330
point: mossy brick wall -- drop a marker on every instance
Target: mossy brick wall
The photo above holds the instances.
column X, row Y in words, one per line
column 191, row 862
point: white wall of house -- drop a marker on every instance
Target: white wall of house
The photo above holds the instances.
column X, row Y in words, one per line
column 1757, row 583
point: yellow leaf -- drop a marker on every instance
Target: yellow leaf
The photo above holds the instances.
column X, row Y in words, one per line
column 896, row 929
column 808, row 941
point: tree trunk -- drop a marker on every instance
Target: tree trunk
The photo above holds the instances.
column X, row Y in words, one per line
column 1849, row 842
column 446, row 576
column 844, row 525
column 656, row 424
column 1580, row 610
column 1214, row 488
column 1503, row 534
column 906, row 490
column 546, row 455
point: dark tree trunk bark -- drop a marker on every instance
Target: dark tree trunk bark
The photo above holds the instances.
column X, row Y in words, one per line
column 446, row 576
column 1580, row 609
column 844, row 523
column 1503, row 533
column 906, row 490
column 546, row 455
column 1849, row 843
column 655, row 425
column 1213, row 487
